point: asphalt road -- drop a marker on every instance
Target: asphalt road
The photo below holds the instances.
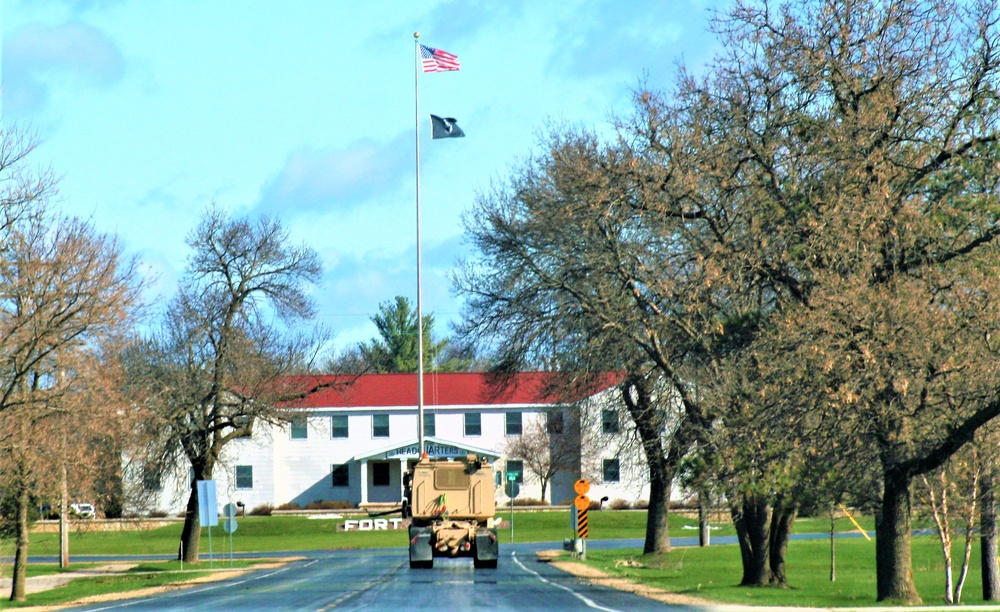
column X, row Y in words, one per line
column 383, row 580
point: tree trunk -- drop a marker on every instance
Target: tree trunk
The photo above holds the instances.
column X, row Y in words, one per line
column 658, row 515
column 17, row 591
column 833, row 547
column 988, row 542
column 782, row 519
column 704, row 533
column 191, row 534
column 64, row 520
column 752, row 521
column 894, row 566
column 662, row 466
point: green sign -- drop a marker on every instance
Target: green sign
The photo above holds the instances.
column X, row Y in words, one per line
column 512, row 489
column 512, row 476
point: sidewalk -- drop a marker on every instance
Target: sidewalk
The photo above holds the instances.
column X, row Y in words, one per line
column 34, row 584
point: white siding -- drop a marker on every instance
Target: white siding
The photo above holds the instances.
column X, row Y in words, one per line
column 299, row 471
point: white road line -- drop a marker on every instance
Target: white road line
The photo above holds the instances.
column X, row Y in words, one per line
column 582, row 598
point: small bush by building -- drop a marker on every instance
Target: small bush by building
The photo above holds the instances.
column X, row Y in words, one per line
column 329, row 504
column 528, row 501
column 619, row 504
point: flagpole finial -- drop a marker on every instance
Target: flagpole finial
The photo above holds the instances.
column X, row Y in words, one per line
column 416, row 35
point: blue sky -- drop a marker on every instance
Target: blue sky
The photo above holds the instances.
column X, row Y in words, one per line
column 150, row 111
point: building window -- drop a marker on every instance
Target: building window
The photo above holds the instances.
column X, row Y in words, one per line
column 300, row 429
column 513, row 424
column 611, row 470
column 380, row 474
column 429, row 425
column 554, row 422
column 609, row 421
column 338, row 426
column 151, row 480
column 380, row 425
column 515, row 467
column 242, row 421
column 244, row 476
column 473, row 424
column 340, row 476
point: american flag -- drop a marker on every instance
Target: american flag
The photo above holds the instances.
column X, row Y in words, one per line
column 436, row 60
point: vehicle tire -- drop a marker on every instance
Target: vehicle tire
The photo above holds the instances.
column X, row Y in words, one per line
column 484, row 564
column 422, row 564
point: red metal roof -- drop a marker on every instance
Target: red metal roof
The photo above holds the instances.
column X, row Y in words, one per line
column 445, row 389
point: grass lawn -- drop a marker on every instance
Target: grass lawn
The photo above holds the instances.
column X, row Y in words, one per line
column 711, row 573
column 142, row 576
column 281, row 533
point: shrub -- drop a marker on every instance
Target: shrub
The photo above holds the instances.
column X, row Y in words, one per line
column 690, row 503
column 619, row 504
column 528, row 501
column 8, row 514
column 113, row 511
column 642, row 504
column 329, row 504
column 262, row 510
column 289, row 506
column 158, row 514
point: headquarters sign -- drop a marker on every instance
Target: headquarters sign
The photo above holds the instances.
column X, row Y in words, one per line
column 432, row 449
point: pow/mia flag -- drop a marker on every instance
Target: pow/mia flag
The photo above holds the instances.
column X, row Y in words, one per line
column 445, row 127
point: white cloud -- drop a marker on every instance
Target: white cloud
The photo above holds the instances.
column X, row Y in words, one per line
column 317, row 180
column 37, row 55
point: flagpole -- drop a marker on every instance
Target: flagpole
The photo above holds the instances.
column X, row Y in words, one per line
column 420, row 311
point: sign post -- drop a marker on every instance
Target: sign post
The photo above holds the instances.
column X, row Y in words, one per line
column 208, row 510
column 580, row 507
column 229, row 526
column 512, row 489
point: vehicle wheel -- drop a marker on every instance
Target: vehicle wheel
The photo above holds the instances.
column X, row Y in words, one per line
column 484, row 564
column 422, row 564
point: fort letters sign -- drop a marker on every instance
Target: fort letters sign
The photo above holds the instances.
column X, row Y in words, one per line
column 373, row 525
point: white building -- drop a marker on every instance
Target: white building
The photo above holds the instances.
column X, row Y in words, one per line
column 356, row 435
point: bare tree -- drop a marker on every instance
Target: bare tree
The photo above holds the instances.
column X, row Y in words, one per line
column 988, row 447
column 820, row 208
column 547, row 452
column 576, row 271
column 850, row 148
column 66, row 294
column 54, row 444
column 951, row 495
column 219, row 365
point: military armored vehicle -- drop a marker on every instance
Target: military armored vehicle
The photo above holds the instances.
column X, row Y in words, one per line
column 451, row 506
